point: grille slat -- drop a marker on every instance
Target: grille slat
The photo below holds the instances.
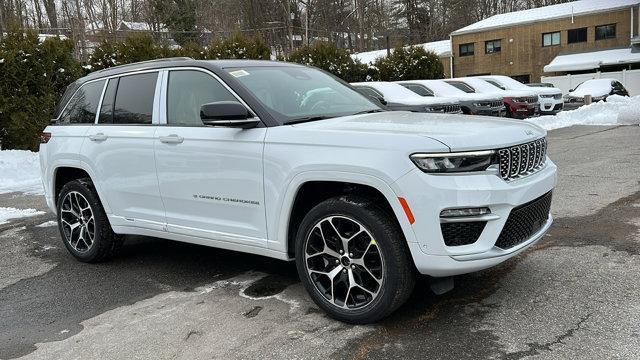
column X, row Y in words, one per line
column 524, row 221
column 521, row 160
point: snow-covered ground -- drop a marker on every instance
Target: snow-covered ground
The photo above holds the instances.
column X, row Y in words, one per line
column 617, row 110
column 7, row 213
column 20, row 172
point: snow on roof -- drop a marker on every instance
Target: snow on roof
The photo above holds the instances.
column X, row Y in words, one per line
column 441, row 48
column 592, row 60
column 593, row 87
column 557, row 11
column 397, row 93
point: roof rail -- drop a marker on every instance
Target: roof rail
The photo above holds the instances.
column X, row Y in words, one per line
column 147, row 62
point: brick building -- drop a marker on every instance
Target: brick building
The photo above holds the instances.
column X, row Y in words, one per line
column 520, row 44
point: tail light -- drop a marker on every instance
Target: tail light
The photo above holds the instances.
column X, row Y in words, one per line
column 45, row 137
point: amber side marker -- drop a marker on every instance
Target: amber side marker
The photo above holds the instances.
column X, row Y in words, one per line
column 407, row 210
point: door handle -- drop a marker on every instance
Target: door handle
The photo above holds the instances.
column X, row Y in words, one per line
column 171, row 139
column 98, row 137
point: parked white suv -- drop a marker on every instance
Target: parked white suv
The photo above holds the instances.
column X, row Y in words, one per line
column 286, row 161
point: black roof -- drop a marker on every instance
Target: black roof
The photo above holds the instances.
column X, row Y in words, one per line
column 215, row 66
column 178, row 62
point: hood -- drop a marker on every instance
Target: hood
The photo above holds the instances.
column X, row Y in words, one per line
column 427, row 100
column 477, row 97
column 519, row 93
column 546, row 91
column 458, row 132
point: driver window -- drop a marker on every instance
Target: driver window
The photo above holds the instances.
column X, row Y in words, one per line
column 187, row 91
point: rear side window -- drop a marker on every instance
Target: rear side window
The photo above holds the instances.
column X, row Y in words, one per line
column 82, row 107
column 367, row 91
column 134, row 99
column 187, row 91
column 106, row 110
column 462, row 86
column 419, row 89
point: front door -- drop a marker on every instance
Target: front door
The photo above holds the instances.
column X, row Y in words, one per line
column 211, row 178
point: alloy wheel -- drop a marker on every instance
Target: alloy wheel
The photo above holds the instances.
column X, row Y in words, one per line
column 344, row 262
column 78, row 222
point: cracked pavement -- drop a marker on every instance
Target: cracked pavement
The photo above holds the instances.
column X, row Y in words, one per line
column 574, row 295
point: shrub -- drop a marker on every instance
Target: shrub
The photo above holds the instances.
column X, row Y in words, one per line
column 136, row 47
column 410, row 63
column 239, row 46
column 34, row 76
column 330, row 58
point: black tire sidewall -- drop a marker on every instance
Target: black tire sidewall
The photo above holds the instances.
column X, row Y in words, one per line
column 390, row 242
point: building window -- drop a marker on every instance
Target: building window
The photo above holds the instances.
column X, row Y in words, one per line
column 577, row 35
column 466, row 49
column 492, row 46
column 550, row 39
column 606, row 32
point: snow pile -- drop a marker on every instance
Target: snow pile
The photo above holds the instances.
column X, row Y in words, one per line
column 20, row 172
column 7, row 213
column 617, row 110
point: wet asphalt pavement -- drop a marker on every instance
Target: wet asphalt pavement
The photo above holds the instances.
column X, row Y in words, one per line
column 574, row 295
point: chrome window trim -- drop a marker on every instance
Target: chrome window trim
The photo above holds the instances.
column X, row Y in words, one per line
column 106, row 79
column 104, row 88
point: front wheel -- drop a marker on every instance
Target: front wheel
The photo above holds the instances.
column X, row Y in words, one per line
column 352, row 259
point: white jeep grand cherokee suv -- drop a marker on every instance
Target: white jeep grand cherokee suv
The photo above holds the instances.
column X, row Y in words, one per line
column 287, row 161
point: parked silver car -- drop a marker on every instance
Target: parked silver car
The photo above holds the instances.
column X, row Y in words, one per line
column 398, row 98
column 470, row 103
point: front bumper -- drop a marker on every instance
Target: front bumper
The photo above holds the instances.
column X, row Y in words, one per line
column 427, row 195
column 550, row 105
column 522, row 111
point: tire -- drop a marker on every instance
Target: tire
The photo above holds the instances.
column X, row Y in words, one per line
column 377, row 260
column 80, row 214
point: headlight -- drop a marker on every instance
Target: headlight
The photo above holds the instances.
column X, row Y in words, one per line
column 482, row 104
column 454, row 162
column 547, row 96
column 598, row 98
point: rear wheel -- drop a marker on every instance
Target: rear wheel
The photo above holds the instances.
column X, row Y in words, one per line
column 352, row 259
column 83, row 224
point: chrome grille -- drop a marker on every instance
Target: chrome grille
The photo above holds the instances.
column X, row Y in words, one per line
column 496, row 103
column 522, row 160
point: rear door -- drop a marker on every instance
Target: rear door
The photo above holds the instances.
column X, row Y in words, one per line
column 119, row 149
column 211, row 178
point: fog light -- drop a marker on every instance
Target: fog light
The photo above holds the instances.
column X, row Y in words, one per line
column 464, row 212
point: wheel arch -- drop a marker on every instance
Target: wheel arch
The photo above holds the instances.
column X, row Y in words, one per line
column 65, row 173
column 307, row 190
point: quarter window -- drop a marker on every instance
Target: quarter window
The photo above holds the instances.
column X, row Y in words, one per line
column 492, row 46
column 82, row 107
column 550, row 39
column 106, row 110
column 466, row 49
column 577, row 35
column 606, row 32
column 462, row 86
column 134, row 99
column 187, row 91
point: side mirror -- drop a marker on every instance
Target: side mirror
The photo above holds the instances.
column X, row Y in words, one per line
column 227, row 113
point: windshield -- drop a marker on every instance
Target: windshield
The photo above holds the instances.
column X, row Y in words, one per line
column 441, row 88
column 293, row 93
column 510, row 83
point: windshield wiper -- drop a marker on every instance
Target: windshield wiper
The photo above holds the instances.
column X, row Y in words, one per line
column 307, row 119
column 369, row 111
